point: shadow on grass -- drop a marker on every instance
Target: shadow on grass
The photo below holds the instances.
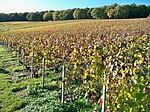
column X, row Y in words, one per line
column 3, row 71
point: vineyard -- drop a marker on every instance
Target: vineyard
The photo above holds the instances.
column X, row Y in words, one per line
column 95, row 64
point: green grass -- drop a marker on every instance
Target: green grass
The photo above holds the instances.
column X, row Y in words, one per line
column 13, row 86
column 15, row 68
column 9, row 100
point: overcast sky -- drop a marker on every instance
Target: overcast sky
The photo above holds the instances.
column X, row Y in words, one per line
column 9, row 6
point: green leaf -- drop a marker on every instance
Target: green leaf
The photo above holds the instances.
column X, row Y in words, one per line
column 131, row 109
column 139, row 62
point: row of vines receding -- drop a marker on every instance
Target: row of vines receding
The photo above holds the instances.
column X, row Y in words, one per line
column 90, row 53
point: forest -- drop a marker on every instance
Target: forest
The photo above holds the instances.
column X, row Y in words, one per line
column 113, row 11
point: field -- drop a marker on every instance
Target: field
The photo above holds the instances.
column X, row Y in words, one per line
column 88, row 59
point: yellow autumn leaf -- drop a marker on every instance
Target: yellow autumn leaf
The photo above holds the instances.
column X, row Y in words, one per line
column 139, row 62
column 89, row 50
column 92, row 75
column 91, row 70
column 131, row 109
column 85, row 75
column 75, row 50
column 118, row 105
column 58, row 51
column 135, row 55
column 31, row 54
column 126, row 71
column 97, row 77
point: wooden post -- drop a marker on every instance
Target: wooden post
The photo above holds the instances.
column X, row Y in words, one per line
column 43, row 72
column 104, row 94
column 63, row 83
column 23, row 60
column 104, row 99
column 32, row 66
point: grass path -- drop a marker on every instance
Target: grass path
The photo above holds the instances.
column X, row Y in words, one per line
column 12, row 85
column 8, row 101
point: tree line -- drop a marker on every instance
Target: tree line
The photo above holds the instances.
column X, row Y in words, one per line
column 113, row 11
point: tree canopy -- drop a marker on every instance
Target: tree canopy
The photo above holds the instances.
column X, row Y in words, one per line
column 48, row 16
column 113, row 11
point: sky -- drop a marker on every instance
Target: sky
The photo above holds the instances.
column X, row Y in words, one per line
column 10, row 6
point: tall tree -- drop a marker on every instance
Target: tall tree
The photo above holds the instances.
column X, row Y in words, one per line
column 68, row 14
column 132, row 8
column 4, row 17
column 99, row 13
column 32, row 16
column 22, row 16
column 120, row 12
column 148, row 10
column 35, row 16
column 89, row 10
column 79, row 14
column 142, row 11
column 111, row 13
column 110, row 7
column 61, row 14
column 39, row 16
column 56, row 15
column 15, row 17
column 48, row 16
column 110, row 10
